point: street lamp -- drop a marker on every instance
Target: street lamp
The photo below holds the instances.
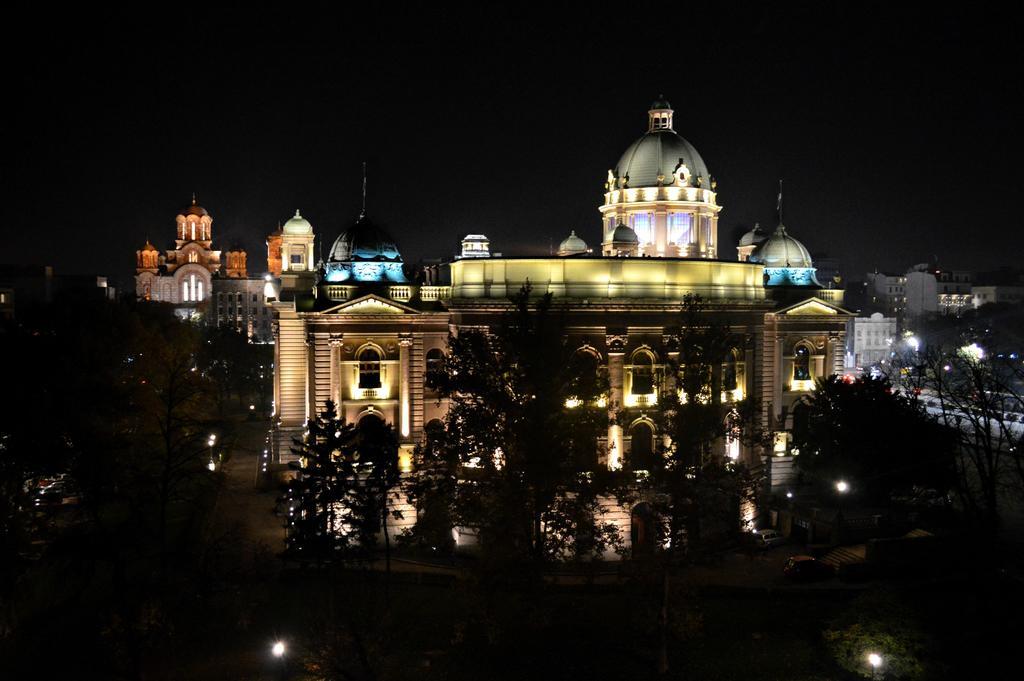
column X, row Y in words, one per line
column 842, row 487
column 278, row 649
column 212, row 465
column 875, row 660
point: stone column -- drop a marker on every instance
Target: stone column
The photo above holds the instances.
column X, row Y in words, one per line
column 404, row 408
column 616, row 351
column 335, row 342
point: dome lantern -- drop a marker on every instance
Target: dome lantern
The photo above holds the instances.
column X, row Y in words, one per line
column 659, row 117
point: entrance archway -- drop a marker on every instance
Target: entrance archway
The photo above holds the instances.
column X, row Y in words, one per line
column 642, row 530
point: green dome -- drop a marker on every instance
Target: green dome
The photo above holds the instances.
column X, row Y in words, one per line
column 781, row 250
column 624, row 235
column 297, row 225
column 572, row 245
column 659, row 153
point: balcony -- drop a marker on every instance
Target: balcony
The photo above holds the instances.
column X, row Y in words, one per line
column 432, row 293
column 400, row 293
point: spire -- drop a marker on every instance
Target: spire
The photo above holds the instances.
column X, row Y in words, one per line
column 194, row 199
column 362, row 213
column 778, row 204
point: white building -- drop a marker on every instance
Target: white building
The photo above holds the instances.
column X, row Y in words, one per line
column 868, row 341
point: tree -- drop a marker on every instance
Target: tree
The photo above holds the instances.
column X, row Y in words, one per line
column 976, row 391
column 879, row 439
column 693, row 493
column 513, row 462
column 338, row 500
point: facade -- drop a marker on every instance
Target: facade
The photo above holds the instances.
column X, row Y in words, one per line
column 364, row 336
column 983, row 295
column 887, row 293
column 955, row 291
column 868, row 341
column 199, row 283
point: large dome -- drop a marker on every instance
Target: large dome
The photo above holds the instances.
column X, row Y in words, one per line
column 781, row 250
column 364, row 242
column 195, row 209
column 659, row 153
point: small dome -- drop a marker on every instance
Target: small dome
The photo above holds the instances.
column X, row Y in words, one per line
column 624, row 235
column 660, row 103
column 148, row 246
column 364, row 241
column 754, row 236
column 573, row 245
column 781, row 250
column 195, row 209
column 297, row 225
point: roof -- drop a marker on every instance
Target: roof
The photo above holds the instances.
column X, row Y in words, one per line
column 754, row 236
column 624, row 234
column 297, row 225
column 659, row 152
column 572, row 245
column 362, row 242
column 781, row 250
column 195, row 209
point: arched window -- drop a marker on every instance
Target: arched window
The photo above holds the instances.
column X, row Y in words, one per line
column 199, row 290
column 641, row 448
column 435, row 360
column 802, row 364
column 643, row 374
column 184, row 291
column 369, row 368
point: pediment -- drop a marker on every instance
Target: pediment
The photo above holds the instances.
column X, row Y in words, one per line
column 370, row 304
column 813, row 307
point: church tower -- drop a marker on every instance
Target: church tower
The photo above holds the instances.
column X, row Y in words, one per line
column 298, row 269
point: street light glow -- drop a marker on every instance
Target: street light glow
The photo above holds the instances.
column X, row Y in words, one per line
column 914, row 343
column 278, row 649
column 875, row 660
column 842, row 487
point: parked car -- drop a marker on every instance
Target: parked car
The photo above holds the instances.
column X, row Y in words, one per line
column 807, row 569
column 766, row 539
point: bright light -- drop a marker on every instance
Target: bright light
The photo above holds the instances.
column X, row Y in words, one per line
column 212, row 466
column 789, row 495
column 213, row 438
column 914, row 343
column 842, row 487
column 974, row 351
column 875, row 660
column 252, row 407
column 278, row 649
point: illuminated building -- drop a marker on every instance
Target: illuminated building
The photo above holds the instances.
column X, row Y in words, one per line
column 199, row 282
column 365, row 335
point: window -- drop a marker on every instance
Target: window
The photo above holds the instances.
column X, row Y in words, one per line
column 679, row 227
column 641, row 446
column 199, row 290
column 369, row 368
column 802, row 364
column 435, row 359
column 729, row 372
column 643, row 374
column 643, row 225
column 184, row 291
column 193, row 256
column 296, row 258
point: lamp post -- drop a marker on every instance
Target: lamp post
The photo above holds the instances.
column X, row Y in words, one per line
column 212, row 466
column 842, row 487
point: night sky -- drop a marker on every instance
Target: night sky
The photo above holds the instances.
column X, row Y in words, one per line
column 894, row 128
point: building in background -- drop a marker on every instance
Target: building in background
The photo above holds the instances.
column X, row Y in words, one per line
column 869, row 341
column 887, row 293
column 199, row 283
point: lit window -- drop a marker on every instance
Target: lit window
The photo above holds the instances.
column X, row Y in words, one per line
column 679, row 226
column 184, row 291
column 643, row 225
column 802, row 364
column 199, row 290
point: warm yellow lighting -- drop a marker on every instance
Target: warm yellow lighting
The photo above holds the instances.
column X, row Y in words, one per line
column 602, row 402
column 405, row 458
column 647, row 400
column 572, row 403
column 779, row 446
column 802, row 386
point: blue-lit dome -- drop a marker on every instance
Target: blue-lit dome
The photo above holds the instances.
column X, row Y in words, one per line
column 364, row 252
column 787, row 262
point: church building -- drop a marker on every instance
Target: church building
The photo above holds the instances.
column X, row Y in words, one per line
column 362, row 334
